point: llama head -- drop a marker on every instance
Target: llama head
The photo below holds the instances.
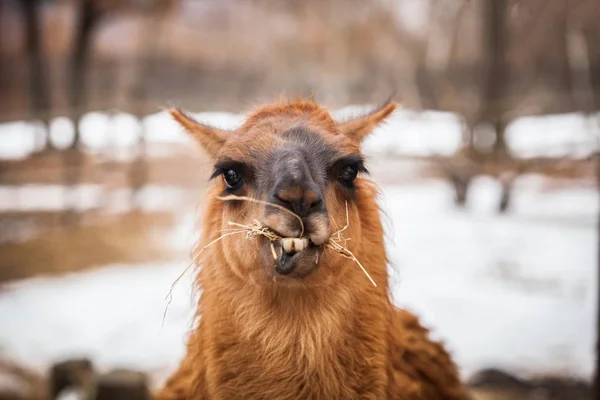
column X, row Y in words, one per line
column 292, row 155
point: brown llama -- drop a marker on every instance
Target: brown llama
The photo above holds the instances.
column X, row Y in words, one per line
column 296, row 320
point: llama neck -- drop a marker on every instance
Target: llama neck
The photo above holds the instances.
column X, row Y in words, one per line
column 274, row 342
column 272, row 318
column 280, row 305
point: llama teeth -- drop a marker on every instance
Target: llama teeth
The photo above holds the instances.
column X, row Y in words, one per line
column 293, row 244
column 300, row 244
column 287, row 244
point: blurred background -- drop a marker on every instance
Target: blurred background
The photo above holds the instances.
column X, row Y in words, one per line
column 489, row 174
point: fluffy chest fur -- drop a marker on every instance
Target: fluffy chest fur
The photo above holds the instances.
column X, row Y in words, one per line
column 266, row 352
column 358, row 347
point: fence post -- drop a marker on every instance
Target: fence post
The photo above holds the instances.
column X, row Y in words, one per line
column 122, row 385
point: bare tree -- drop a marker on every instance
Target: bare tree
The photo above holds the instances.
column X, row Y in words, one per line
column 38, row 86
column 146, row 67
column 592, row 44
column 88, row 16
column 493, row 106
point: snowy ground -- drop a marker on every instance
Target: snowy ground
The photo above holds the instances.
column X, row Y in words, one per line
column 515, row 291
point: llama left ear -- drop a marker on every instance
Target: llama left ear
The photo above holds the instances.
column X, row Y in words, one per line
column 358, row 129
column 210, row 138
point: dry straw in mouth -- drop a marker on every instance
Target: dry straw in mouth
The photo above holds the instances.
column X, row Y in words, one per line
column 334, row 243
column 257, row 229
column 233, row 197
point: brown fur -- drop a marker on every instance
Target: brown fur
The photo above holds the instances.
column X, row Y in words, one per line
column 331, row 335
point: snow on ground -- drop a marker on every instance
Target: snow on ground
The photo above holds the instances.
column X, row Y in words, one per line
column 113, row 315
column 407, row 132
column 516, row 291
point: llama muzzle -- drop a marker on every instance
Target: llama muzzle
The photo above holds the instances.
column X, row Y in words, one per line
column 293, row 258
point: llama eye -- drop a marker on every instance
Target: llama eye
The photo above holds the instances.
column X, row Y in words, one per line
column 232, row 178
column 348, row 174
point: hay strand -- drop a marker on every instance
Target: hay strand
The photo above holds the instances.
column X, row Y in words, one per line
column 169, row 297
column 343, row 250
column 232, row 197
column 273, row 252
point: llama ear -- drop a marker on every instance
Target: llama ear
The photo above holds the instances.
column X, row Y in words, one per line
column 210, row 138
column 358, row 129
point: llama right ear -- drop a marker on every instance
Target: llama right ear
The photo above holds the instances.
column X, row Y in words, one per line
column 358, row 129
column 210, row 138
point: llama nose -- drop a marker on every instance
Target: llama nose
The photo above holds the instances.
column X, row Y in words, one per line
column 301, row 200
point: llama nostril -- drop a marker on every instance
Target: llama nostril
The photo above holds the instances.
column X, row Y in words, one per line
column 299, row 200
column 315, row 205
column 283, row 201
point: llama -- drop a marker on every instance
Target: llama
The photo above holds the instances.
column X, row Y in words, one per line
column 296, row 320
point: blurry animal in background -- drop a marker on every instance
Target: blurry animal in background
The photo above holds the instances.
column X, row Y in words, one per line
column 293, row 271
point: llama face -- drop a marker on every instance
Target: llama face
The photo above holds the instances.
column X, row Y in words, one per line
column 302, row 169
column 308, row 169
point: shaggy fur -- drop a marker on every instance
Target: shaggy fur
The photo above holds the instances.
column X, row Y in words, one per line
column 331, row 336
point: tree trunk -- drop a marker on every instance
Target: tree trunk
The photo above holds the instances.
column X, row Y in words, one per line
column 493, row 108
column 73, row 159
column 87, row 17
column 38, row 88
column 461, row 185
column 147, row 65
column 592, row 43
column 596, row 382
column 564, row 78
column 494, row 105
column 506, row 183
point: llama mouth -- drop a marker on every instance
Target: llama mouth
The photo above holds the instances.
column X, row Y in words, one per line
column 291, row 251
column 293, row 245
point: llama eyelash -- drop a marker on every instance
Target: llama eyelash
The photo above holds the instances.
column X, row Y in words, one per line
column 222, row 166
column 338, row 170
column 352, row 160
